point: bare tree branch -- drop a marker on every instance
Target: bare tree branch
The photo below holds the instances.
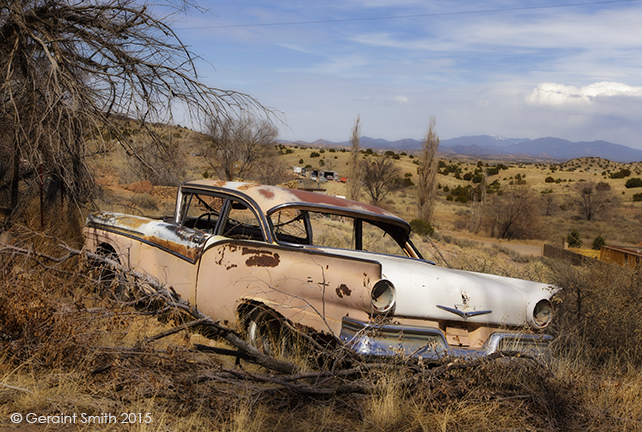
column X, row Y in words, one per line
column 238, row 146
column 152, row 285
column 380, row 177
column 70, row 70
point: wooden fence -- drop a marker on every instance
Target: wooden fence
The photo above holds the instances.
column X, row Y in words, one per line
column 557, row 252
column 619, row 255
column 622, row 256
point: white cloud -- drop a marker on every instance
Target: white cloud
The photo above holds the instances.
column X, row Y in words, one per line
column 560, row 94
column 400, row 99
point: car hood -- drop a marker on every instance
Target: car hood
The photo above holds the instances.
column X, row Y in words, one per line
column 427, row 291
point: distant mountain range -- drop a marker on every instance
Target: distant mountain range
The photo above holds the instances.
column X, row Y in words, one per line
column 515, row 148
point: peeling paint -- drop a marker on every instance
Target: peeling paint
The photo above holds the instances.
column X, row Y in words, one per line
column 177, row 239
column 343, row 290
column 260, row 258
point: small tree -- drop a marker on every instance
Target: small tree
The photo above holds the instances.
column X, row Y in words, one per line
column 428, row 165
column 380, row 177
column 598, row 242
column 514, row 214
column 593, row 200
column 354, row 165
column 573, row 239
column 238, row 145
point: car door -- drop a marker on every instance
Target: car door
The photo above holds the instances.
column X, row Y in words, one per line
column 316, row 289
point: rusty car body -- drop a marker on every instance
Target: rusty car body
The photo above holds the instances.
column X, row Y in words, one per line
column 336, row 267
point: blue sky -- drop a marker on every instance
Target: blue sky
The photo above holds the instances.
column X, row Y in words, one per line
column 530, row 69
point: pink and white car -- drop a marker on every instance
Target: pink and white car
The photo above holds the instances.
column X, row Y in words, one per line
column 336, row 268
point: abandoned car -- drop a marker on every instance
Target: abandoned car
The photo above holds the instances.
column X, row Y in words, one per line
column 334, row 267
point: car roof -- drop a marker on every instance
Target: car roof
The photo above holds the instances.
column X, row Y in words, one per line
column 271, row 198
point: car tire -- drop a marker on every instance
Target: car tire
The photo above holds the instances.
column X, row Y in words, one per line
column 111, row 283
column 266, row 331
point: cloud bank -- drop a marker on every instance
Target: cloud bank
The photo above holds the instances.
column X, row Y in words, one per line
column 560, row 94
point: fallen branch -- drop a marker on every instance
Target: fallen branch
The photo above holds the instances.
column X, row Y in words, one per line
column 166, row 294
column 16, row 388
column 173, row 330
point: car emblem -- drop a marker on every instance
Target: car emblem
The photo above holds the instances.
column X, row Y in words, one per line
column 464, row 310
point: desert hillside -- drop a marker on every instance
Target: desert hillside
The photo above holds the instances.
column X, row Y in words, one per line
column 76, row 357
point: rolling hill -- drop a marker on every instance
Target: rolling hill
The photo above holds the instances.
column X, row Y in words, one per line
column 492, row 146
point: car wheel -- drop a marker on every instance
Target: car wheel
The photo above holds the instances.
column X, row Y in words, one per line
column 266, row 332
column 110, row 282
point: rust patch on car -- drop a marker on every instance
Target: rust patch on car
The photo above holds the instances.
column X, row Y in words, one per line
column 316, row 198
column 343, row 291
column 187, row 251
column 268, row 194
column 260, row 258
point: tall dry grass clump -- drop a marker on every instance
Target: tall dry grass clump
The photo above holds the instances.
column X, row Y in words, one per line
column 598, row 315
column 39, row 319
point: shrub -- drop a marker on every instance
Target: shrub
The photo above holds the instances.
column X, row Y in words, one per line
column 422, row 227
column 315, row 154
column 598, row 314
column 492, row 171
column 637, row 197
column 460, row 194
column 598, row 242
column 635, row 182
column 573, row 239
column 621, row 174
column 406, row 182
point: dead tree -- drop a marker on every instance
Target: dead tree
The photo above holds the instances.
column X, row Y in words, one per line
column 70, row 70
column 380, row 176
column 426, row 187
column 593, row 199
column 237, row 147
column 354, row 176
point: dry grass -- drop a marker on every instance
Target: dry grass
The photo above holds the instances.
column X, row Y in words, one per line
column 64, row 349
